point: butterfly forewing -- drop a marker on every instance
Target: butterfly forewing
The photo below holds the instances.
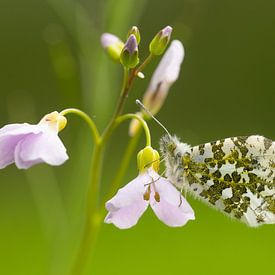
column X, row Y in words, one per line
column 236, row 175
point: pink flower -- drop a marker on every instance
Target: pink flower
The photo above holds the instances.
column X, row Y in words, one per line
column 131, row 201
column 27, row 144
column 164, row 76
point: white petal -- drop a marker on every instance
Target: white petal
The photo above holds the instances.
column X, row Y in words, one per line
column 169, row 66
column 172, row 209
column 164, row 76
column 44, row 147
column 127, row 206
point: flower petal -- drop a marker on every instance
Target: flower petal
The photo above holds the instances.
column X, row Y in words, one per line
column 171, row 210
column 43, row 147
column 165, row 75
column 10, row 135
column 127, row 206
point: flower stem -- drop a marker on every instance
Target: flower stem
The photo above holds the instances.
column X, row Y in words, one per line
column 93, row 219
column 84, row 116
column 93, row 215
column 143, row 123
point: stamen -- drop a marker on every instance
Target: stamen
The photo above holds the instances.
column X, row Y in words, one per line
column 146, row 195
column 157, row 197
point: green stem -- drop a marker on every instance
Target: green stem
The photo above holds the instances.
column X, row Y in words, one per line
column 93, row 214
column 93, row 219
column 143, row 123
column 84, row 116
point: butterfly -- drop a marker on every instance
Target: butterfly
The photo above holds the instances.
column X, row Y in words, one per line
column 235, row 175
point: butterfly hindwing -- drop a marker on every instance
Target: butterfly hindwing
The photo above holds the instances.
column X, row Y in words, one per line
column 235, row 175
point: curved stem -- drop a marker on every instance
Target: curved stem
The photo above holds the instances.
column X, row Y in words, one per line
column 93, row 214
column 143, row 123
column 84, row 116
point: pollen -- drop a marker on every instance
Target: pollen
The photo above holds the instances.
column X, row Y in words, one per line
column 146, row 195
column 157, row 197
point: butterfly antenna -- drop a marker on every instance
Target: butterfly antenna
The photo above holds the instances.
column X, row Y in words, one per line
column 138, row 102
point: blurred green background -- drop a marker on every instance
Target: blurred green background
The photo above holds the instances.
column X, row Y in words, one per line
column 51, row 59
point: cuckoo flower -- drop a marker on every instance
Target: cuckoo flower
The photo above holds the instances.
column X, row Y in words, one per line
column 29, row 144
column 163, row 78
column 148, row 188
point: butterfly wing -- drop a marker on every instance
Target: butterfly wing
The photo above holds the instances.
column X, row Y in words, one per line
column 236, row 175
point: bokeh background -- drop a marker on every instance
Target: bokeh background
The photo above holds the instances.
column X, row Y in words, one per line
column 51, row 59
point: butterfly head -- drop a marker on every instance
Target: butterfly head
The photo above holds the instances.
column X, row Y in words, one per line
column 168, row 145
column 171, row 147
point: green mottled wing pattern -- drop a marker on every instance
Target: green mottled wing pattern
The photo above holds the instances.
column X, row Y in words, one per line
column 235, row 175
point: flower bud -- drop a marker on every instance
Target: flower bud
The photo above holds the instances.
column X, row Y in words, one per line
column 113, row 45
column 148, row 157
column 135, row 31
column 160, row 41
column 129, row 55
column 165, row 75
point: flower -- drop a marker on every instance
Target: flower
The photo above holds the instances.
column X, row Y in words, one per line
column 164, row 76
column 148, row 188
column 113, row 45
column 29, row 144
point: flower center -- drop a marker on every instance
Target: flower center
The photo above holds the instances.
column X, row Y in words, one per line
column 55, row 121
column 146, row 195
column 156, row 196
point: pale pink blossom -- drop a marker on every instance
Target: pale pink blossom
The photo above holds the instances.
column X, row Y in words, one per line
column 29, row 144
column 164, row 76
column 130, row 202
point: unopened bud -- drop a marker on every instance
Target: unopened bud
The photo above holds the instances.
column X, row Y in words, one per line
column 129, row 55
column 160, row 41
column 113, row 45
column 135, row 31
